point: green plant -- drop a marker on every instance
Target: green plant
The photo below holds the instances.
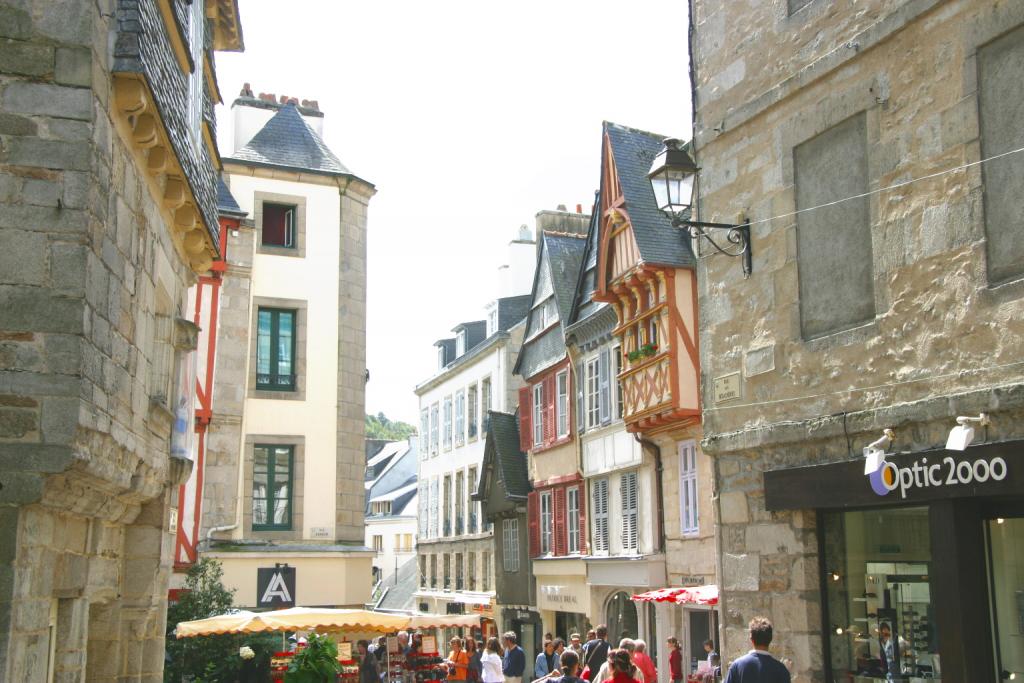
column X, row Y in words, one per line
column 316, row 663
column 633, row 356
column 648, row 349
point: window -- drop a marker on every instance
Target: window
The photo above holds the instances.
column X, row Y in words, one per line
column 1000, row 98
column 492, row 321
column 440, row 358
column 834, row 261
column 652, row 330
column 688, row 487
column 562, row 382
column 458, row 572
column 434, row 507
column 424, row 433
column 593, row 392
column 485, row 401
column 407, row 542
column 485, row 570
column 510, row 544
column 630, row 511
column 471, row 411
column 538, row 414
column 573, row 522
column 460, row 501
column 460, row 343
column 474, row 506
column 542, row 316
column 433, row 571
column 546, row 526
column 278, row 225
column 447, row 432
column 471, row 571
column 423, row 571
column 272, row 488
column 599, row 491
column 616, row 370
column 446, row 561
column 196, row 29
column 381, row 507
column 434, row 431
column 446, row 510
column 275, row 349
column 378, row 543
column 460, row 417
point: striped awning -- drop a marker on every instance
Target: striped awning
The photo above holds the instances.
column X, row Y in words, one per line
column 681, row 595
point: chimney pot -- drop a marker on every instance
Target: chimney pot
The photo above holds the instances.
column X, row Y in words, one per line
column 579, row 208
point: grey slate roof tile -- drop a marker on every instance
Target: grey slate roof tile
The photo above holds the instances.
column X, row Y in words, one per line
column 226, row 203
column 509, row 462
column 288, row 141
column 512, row 310
column 402, row 587
column 659, row 243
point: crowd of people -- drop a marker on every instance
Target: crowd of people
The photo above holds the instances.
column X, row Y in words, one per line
column 593, row 661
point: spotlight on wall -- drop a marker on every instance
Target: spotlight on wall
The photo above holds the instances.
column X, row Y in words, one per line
column 874, row 452
column 834, row 576
column 962, row 435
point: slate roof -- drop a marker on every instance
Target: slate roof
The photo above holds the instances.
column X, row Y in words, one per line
column 401, row 588
column 507, row 461
column 226, row 204
column 659, row 243
column 512, row 310
column 476, row 332
column 287, row 141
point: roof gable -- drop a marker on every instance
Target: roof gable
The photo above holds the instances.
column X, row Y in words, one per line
column 503, row 463
column 288, row 141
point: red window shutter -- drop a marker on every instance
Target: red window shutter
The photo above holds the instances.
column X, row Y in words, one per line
column 549, row 409
column 533, row 517
column 561, row 531
column 525, row 429
column 584, row 529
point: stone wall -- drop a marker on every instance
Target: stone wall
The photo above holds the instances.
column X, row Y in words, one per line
column 86, row 263
column 943, row 340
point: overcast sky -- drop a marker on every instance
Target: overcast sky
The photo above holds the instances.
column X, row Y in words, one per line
column 469, row 117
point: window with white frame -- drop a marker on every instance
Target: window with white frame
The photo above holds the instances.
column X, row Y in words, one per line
column 599, row 511
column 434, row 431
column 492, row 321
column 616, row 369
column 593, row 392
column 424, row 433
column 562, row 406
column 460, row 343
column 471, row 422
column 460, row 417
column 688, row 487
column 485, row 402
column 440, row 358
column 572, row 505
column 510, row 544
column 630, row 511
column 546, row 523
column 446, row 432
column 538, row 414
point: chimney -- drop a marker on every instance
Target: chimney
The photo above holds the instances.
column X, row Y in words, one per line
column 250, row 114
column 579, row 208
column 562, row 221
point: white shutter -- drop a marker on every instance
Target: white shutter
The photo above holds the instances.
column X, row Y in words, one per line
column 422, row 505
column 628, row 490
column 605, row 399
column 600, row 510
column 688, row 508
column 581, row 402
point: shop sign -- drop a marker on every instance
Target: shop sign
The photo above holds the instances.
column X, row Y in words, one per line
column 570, row 594
column 692, row 580
column 886, row 476
column 275, row 587
column 727, row 388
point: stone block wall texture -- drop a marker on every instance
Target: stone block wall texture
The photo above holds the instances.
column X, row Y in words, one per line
column 945, row 336
column 84, row 463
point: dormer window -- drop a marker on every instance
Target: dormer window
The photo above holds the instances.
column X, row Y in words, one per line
column 492, row 321
column 440, row 358
column 460, row 343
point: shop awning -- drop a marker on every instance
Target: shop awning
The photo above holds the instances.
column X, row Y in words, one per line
column 317, row 619
column 681, row 595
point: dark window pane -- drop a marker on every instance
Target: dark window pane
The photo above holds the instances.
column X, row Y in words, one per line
column 272, row 488
column 275, row 350
column 278, row 225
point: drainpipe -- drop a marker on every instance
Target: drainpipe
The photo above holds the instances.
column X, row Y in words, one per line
column 217, row 529
column 659, row 495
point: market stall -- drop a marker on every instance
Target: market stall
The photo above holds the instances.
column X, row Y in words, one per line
column 699, row 603
column 425, row 662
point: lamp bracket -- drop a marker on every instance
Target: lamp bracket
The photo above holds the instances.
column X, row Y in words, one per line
column 738, row 235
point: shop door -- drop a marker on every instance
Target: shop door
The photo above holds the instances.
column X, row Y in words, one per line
column 1006, row 590
column 699, row 630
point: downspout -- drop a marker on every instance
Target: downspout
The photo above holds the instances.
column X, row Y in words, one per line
column 217, row 529
column 659, row 495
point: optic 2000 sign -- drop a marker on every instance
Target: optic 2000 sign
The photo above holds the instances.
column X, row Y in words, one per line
column 887, row 476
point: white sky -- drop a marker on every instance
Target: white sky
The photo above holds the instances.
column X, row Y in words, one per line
column 469, row 117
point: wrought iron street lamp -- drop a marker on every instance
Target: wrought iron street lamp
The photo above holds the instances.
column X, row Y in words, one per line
column 672, row 177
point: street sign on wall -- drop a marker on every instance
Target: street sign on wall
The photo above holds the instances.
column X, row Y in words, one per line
column 275, row 587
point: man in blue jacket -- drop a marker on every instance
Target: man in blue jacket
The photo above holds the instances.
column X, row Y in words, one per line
column 513, row 664
column 757, row 666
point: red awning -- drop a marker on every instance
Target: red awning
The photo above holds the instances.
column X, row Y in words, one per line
column 682, row 595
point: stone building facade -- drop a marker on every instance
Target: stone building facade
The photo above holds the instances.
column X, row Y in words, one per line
column 894, row 308
column 107, row 214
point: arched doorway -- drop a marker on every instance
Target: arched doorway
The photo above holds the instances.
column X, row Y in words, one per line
column 621, row 618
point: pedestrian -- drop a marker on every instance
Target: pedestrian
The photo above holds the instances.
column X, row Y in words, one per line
column 548, row 636
column 368, row 672
column 758, row 666
column 606, row 672
column 576, row 646
column 709, row 649
column 591, row 635
column 491, row 662
column 595, row 652
column 381, row 649
column 547, row 661
column 458, row 661
column 622, row 668
column 570, row 668
column 675, row 660
column 559, row 647
column 475, row 664
column 644, row 662
column 514, row 662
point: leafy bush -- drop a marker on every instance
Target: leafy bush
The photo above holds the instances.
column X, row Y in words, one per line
column 316, row 663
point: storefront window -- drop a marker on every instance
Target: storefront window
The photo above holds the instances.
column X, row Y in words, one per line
column 622, row 618
column 880, row 618
column 1007, row 572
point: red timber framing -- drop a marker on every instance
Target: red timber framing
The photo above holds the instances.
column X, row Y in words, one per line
column 558, row 489
column 548, row 380
column 656, row 308
column 190, row 494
